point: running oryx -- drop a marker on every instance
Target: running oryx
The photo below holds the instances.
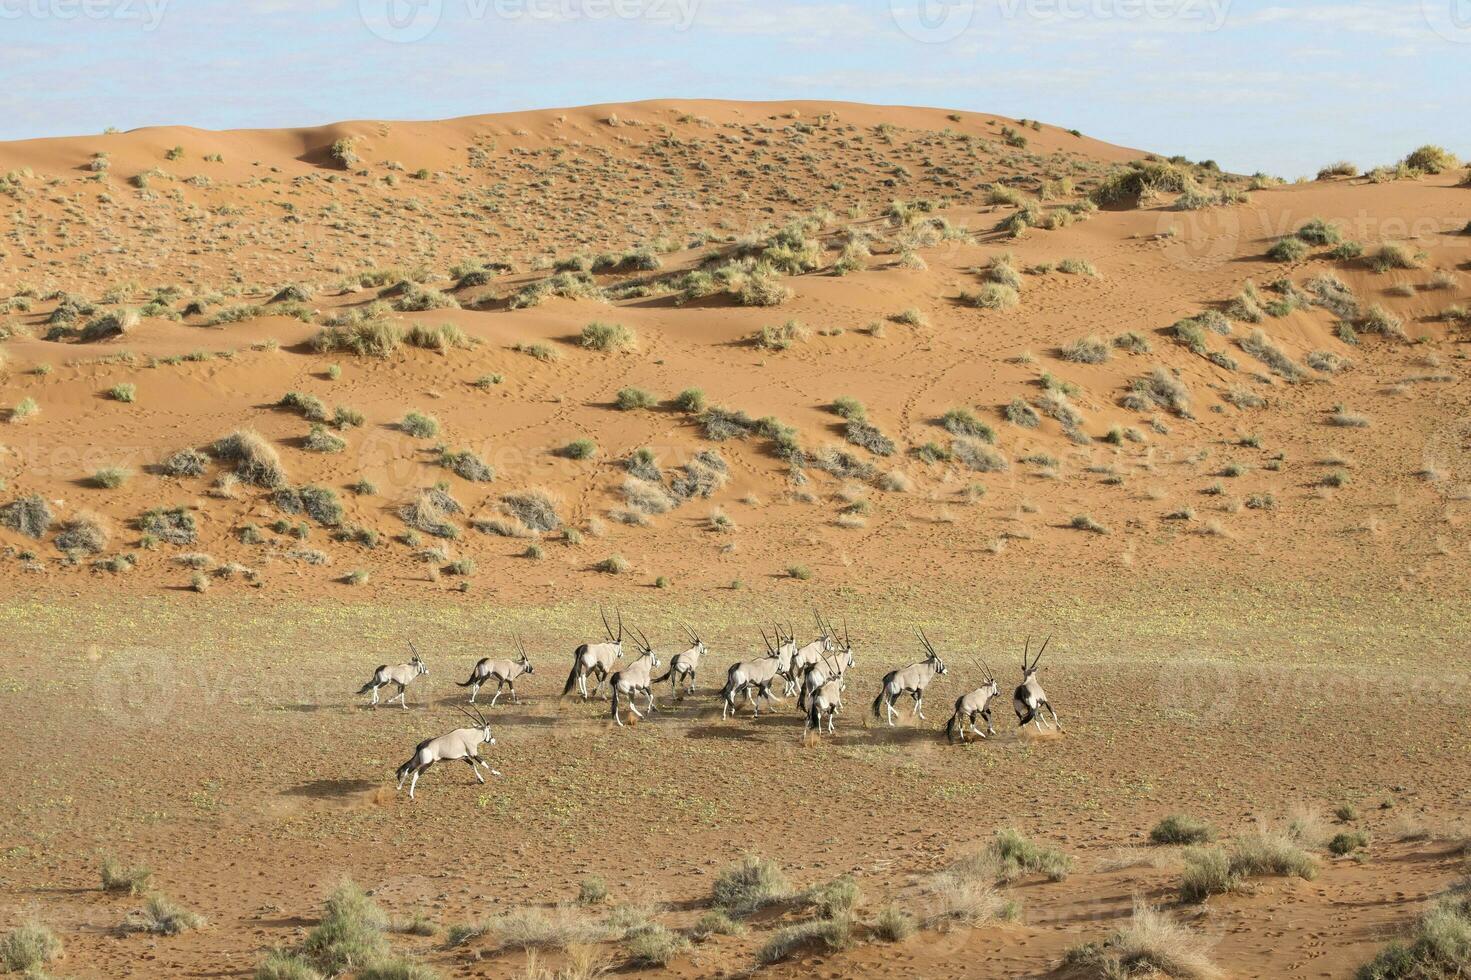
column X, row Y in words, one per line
column 809, row 655
column 403, row 675
column 911, row 680
column 462, row 743
column 826, row 699
column 682, row 666
column 503, row 672
column 595, row 658
column 755, row 677
column 834, row 663
column 634, row 679
column 1029, row 698
column 974, row 704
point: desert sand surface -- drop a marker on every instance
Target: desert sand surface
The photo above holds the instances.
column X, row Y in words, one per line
column 274, row 404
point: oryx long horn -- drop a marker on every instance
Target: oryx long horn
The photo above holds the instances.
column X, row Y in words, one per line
column 767, row 641
column 620, row 625
column 480, row 721
column 1038, row 657
column 606, row 628
column 1025, row 650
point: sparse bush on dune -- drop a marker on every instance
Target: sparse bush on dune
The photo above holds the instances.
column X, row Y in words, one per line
column 991, row 296
column 368, row 338
column 1437, row 948
column 607, row 337
column 781, row 337
column 1020, row 413
column 827, row 934
column 429, row 512
column 1288, row 249
column 631, row 399
column 1160, row 389
column 749, row 886
column 256, row 460
column 1180, row 829
column 1431, row 159
column 282, row 964
column 84, row 531
column 1086, row 350
column 350, row 935
column 29, row 949
column 30, row 516
column 1140, row 182
column 162, row 916
column 963, row 422
column 419, row 425
column 1150, row 945
column 117, row 877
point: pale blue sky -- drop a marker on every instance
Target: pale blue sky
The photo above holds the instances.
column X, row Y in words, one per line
column 1278, row 87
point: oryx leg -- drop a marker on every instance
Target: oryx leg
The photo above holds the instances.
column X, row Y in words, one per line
column 415, row 781
column 512, row 686
column 474, row 690
column 632, row 706
column 374, row 702
column 401, row 697
column 650, row 705
column 690, row 687
column 474, row 767
column 889, row 713
column 918, row 705
column 1048, row 705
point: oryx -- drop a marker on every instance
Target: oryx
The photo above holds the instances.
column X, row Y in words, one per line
column 826, row 699
column 1030, row 699
column 634, row 679
column 755, row 677
column 974, row 704
column 462, row 743
column 503, row 672
column 595, row 658
column 911, row 680
column 833, row 665
column 809, row 655
column 683, row 666
column 402, row 675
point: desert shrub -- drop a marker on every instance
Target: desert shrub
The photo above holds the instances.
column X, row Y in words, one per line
column 30, row 516
column 282, row 964
column 829, row 934
column 170, row 525
column 701, row 476
column 1288, row 249
column 848, row 407
column 782, row 336
column 1381, row 321
column 608, row 337
column 1133, row 342
column 1438, row 947
column 126, row 392
column 715, row 923
column 690, row 400
column 162, row 916
column 534, row 508
column 893, row 924
column 1085, row 522
column 866, row 435
column 26, row 408
column 839, row 897
column 320, row 440
column 467, row 466
column 1343, row 168
column 442, row 338
column 963, row 422
column 751, row 885
column 541, row 352
column 29, row 949
column 1160, row 389
column 1207, row 872
column 654, row 945
column 613, row 565
column 1086, row 350
column 1180, row 829
column 428, row 512
column 592, row 891
column 83, row 531
column 580, row 449
column 977, row 456
column 1348, row 841
column 185, row 462
column 117, row 877
column 1316, row 231
column 256, row 460
column 1150, row 945
column 419, row 425
column 629, row 399
column 1431, row 159
column 992, row 296
column 964, row 893
column 1266, row 853
column 1392, row 256
column 350, row 933
column 319, row 503
column 1020, row 413
column 371, row 337
column 1016, row 855
column 310, row 406
column 1260, row 346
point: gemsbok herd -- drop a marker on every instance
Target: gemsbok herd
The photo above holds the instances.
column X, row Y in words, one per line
column 815, row 673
